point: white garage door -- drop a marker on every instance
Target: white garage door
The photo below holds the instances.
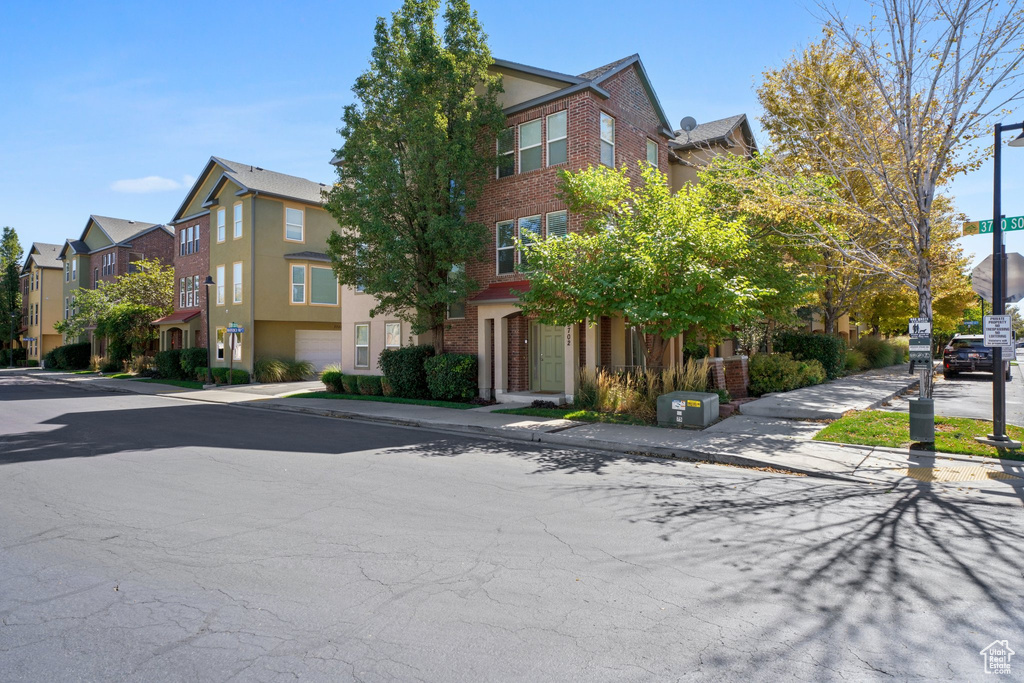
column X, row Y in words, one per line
column 319, row 347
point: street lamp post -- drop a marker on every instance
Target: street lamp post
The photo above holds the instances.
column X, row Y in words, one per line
column 998, row 435
column 14, row 326
column 209, row 359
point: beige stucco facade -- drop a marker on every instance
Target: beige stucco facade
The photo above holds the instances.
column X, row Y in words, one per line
column 357, row 307
column 45, row 306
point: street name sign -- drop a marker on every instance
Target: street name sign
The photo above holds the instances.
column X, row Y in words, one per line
column 920, row 328
column 236, row 330
column 985, row 227
column 998, row 331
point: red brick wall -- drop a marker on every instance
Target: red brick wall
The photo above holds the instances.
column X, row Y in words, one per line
column 716, row 373
column 737, row 377
column 606, row 341
column 534, row 192
column 154, row 244
column 190, row 265
column 518, row 353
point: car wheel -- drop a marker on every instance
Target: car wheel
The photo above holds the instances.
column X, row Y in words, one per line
column 948, row 375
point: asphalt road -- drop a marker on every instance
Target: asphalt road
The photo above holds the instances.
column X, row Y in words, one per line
column 149, row 538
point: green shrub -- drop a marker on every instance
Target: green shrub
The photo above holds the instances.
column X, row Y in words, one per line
column 810, row 372
column 69, row 357
column 901, row 345
column 452, row 376
column 405, row 371
column 855, row 361
column 220, row 376
column 370, row 385
column 269, row 370
column 26, row 363
column 191, row 360
column 50, row 358
column 349, row 384
column 773, row 372
column 298, row 370
column 878, row 352
column 168, row 364
column 723, row 396
column 332, row 380
column 19, row 354
column 110, row 366
column 385, row 387
column 828, row 350
column 199, row 374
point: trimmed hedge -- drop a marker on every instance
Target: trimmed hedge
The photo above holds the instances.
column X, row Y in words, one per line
column 370, row 385
column 828, row 350
column 220, row 376
column 69, row 357
column 773, row 372
column 19, row 355
column 349, row 384
column 332, row 380
column 200, row 374
column 168, row 364
column 191, row 360
column 404, row 370
column 452, row 376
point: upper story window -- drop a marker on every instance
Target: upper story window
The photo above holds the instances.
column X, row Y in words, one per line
column 181, row 293
column 189, row 300
column 558, row 139
column 298, row 284
column 108, row 263
column 294, row 222
column 529, row 232
column 221, row 218
column 558, row 224
column 652, row 153
column 529, row 146
column 506, row 247
column 220, row 285
column 74, row 269
column 392, row 335
column 67, row 272
column 185, row 242
column 506, row 152
column 236, row 282
column 607, row 140
column 323, row 286
column 238, row 220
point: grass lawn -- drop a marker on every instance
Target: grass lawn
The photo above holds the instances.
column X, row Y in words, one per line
column 383, row 399
column 183, row 383
column 121, row 375
column 574, row 414
column 882, row 428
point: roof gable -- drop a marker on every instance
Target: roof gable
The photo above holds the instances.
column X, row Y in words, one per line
column 43, row 255
column 714, row 132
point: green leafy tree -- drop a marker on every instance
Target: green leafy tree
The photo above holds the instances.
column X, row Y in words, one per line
column 668, row 263
column 10, row 289
column 123, row 309
column 418, row 146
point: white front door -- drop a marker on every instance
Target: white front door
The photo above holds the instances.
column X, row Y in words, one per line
column 319, row 347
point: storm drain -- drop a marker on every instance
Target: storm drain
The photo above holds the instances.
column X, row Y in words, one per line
column 967, row 473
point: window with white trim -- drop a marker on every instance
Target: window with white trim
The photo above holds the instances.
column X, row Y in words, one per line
column 220, row 285
column 607, row 140
column 506, row 247
column 221, row 219
column 188, row 292
column 558, row 224
column 181, row 246
column 74, row 269
column 298, row 284
column 362, row 345
column 529, row 146
column 220, row 343
column 181, row 293
column 457, row 309
column 195, row 289
column 392, row 335
column 236, row 282
column 323, row 286
column 236, row 347
column 558, row 138
column 294, row 220
column 529, row 232
column 238, row 220
column 652, row 153
column 66, row 308
column 195, row 240
column 506, row 152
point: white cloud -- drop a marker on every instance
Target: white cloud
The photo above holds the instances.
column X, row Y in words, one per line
column 152, row 183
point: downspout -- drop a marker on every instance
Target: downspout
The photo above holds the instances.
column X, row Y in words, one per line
column 252, row 280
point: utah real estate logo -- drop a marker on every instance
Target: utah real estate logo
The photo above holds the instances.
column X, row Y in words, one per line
column 997, row 657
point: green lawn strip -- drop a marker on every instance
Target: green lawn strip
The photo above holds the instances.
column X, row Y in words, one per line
column 574, row 414
column 883, row 428
column 183, row 383
column 121, row 375
column 383, row 399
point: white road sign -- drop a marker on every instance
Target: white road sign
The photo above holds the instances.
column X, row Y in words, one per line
column 920, row 327
column 998, row 331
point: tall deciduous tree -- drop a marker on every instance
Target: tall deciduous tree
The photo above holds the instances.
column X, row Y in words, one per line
column 668, row 263
column 418, row 147
column 938, row 73
column 10, row 290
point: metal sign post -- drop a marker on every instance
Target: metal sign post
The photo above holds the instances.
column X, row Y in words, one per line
column 233, row 332
column 922, row 409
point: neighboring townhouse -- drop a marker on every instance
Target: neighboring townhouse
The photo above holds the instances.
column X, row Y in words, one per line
column 265, row 236
column 607, row 116
column 41, row 300
column 106, row 249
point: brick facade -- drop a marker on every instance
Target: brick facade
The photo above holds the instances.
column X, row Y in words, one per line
column 196, row 264
column 535, row 193
column 155, row 244
column 737, row 377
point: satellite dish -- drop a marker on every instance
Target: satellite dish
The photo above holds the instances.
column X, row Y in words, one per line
column 688, row 123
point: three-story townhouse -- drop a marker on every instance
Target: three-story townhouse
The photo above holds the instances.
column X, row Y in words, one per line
column 41, row 300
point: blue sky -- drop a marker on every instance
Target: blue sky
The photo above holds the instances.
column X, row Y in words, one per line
column 113, row 108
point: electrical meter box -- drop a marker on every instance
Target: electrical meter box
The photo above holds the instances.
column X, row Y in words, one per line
column 687, row 409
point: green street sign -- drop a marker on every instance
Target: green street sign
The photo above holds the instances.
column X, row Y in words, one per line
column 985, row 227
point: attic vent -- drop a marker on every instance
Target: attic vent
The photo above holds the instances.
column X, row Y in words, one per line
column 258, row 168
column 132, row 222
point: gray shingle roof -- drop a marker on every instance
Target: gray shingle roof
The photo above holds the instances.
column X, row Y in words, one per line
column 45, row 255
column 596, row 74
column 122, row 230
column 707, row 132
column 308, row 256
column 261, row 180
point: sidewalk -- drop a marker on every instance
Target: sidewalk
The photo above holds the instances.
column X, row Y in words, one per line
column 742, row 440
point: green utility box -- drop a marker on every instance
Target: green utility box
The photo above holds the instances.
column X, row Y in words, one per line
column 687, row 409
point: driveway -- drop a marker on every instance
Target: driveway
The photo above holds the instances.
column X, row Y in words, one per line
column 970, row 395
column 149, row 538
